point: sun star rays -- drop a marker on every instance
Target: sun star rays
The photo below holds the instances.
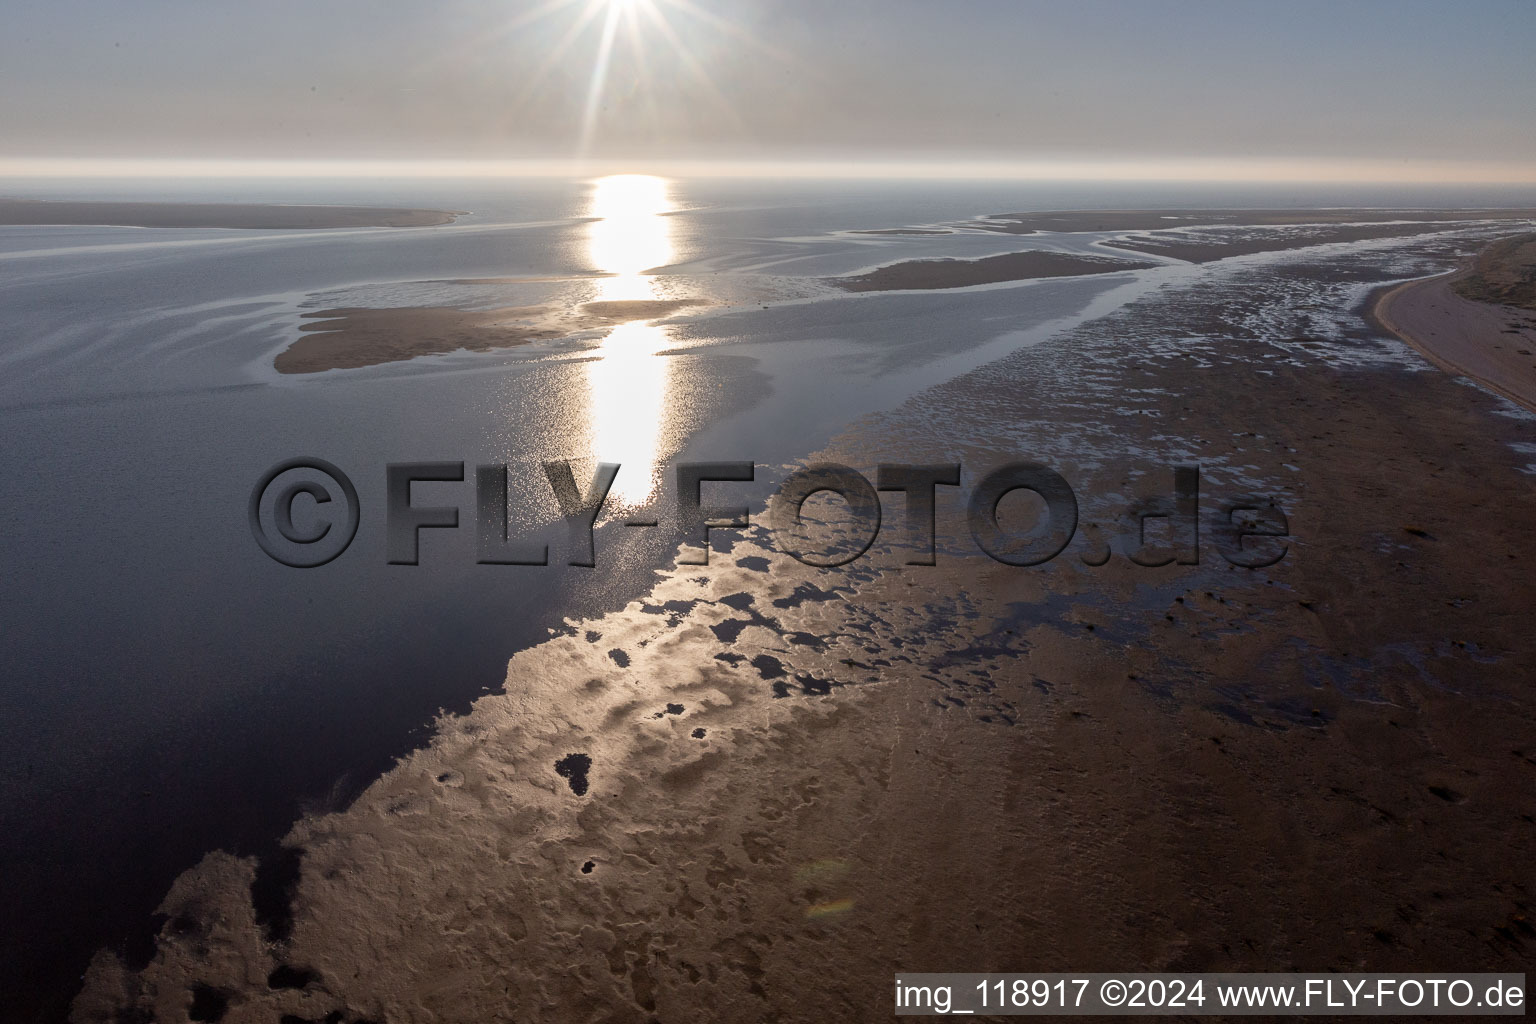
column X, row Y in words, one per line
column 655, row 37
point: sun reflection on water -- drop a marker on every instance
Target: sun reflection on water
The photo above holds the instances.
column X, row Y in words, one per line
column 628, row 382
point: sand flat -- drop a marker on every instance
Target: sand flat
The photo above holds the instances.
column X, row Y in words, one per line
column 627, row 310
column 902, row 231
column 216, row 215
column 920, row 275
column 349, row 338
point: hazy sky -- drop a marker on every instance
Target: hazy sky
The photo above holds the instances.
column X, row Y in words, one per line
column 1418, row 87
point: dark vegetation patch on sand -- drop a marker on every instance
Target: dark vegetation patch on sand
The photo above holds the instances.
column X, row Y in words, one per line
column 1503, row 273
column 216, row 215
column 1011, row 266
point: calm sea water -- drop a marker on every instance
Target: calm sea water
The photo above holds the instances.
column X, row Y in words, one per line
column 169, row 690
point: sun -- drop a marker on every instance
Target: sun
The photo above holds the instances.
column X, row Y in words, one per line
column 663, row 34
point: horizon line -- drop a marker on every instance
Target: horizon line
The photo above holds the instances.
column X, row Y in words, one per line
column 1375, row 171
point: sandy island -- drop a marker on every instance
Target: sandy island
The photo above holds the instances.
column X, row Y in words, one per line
column 918, row 275
column 1493, row 343
column 354, row 337
column 902, row 231
column 216, row 215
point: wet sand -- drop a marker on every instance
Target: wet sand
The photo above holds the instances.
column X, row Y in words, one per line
column 765, row 788
column 216, row 215
column 1493, row 344
column 337, row 339
column 903, row 231
column 915, row 275
column 350, row 338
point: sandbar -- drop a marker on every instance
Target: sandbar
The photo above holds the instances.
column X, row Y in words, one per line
column 902, row 231
column 918, row 275
column 350, row 338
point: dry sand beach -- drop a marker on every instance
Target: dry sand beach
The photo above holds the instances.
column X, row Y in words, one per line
column 764, row 787
column 1493, row 342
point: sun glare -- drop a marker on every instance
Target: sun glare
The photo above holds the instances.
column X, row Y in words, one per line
column 628, row 382
column 629, row 235
column 662, row 36
column 625, row 196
